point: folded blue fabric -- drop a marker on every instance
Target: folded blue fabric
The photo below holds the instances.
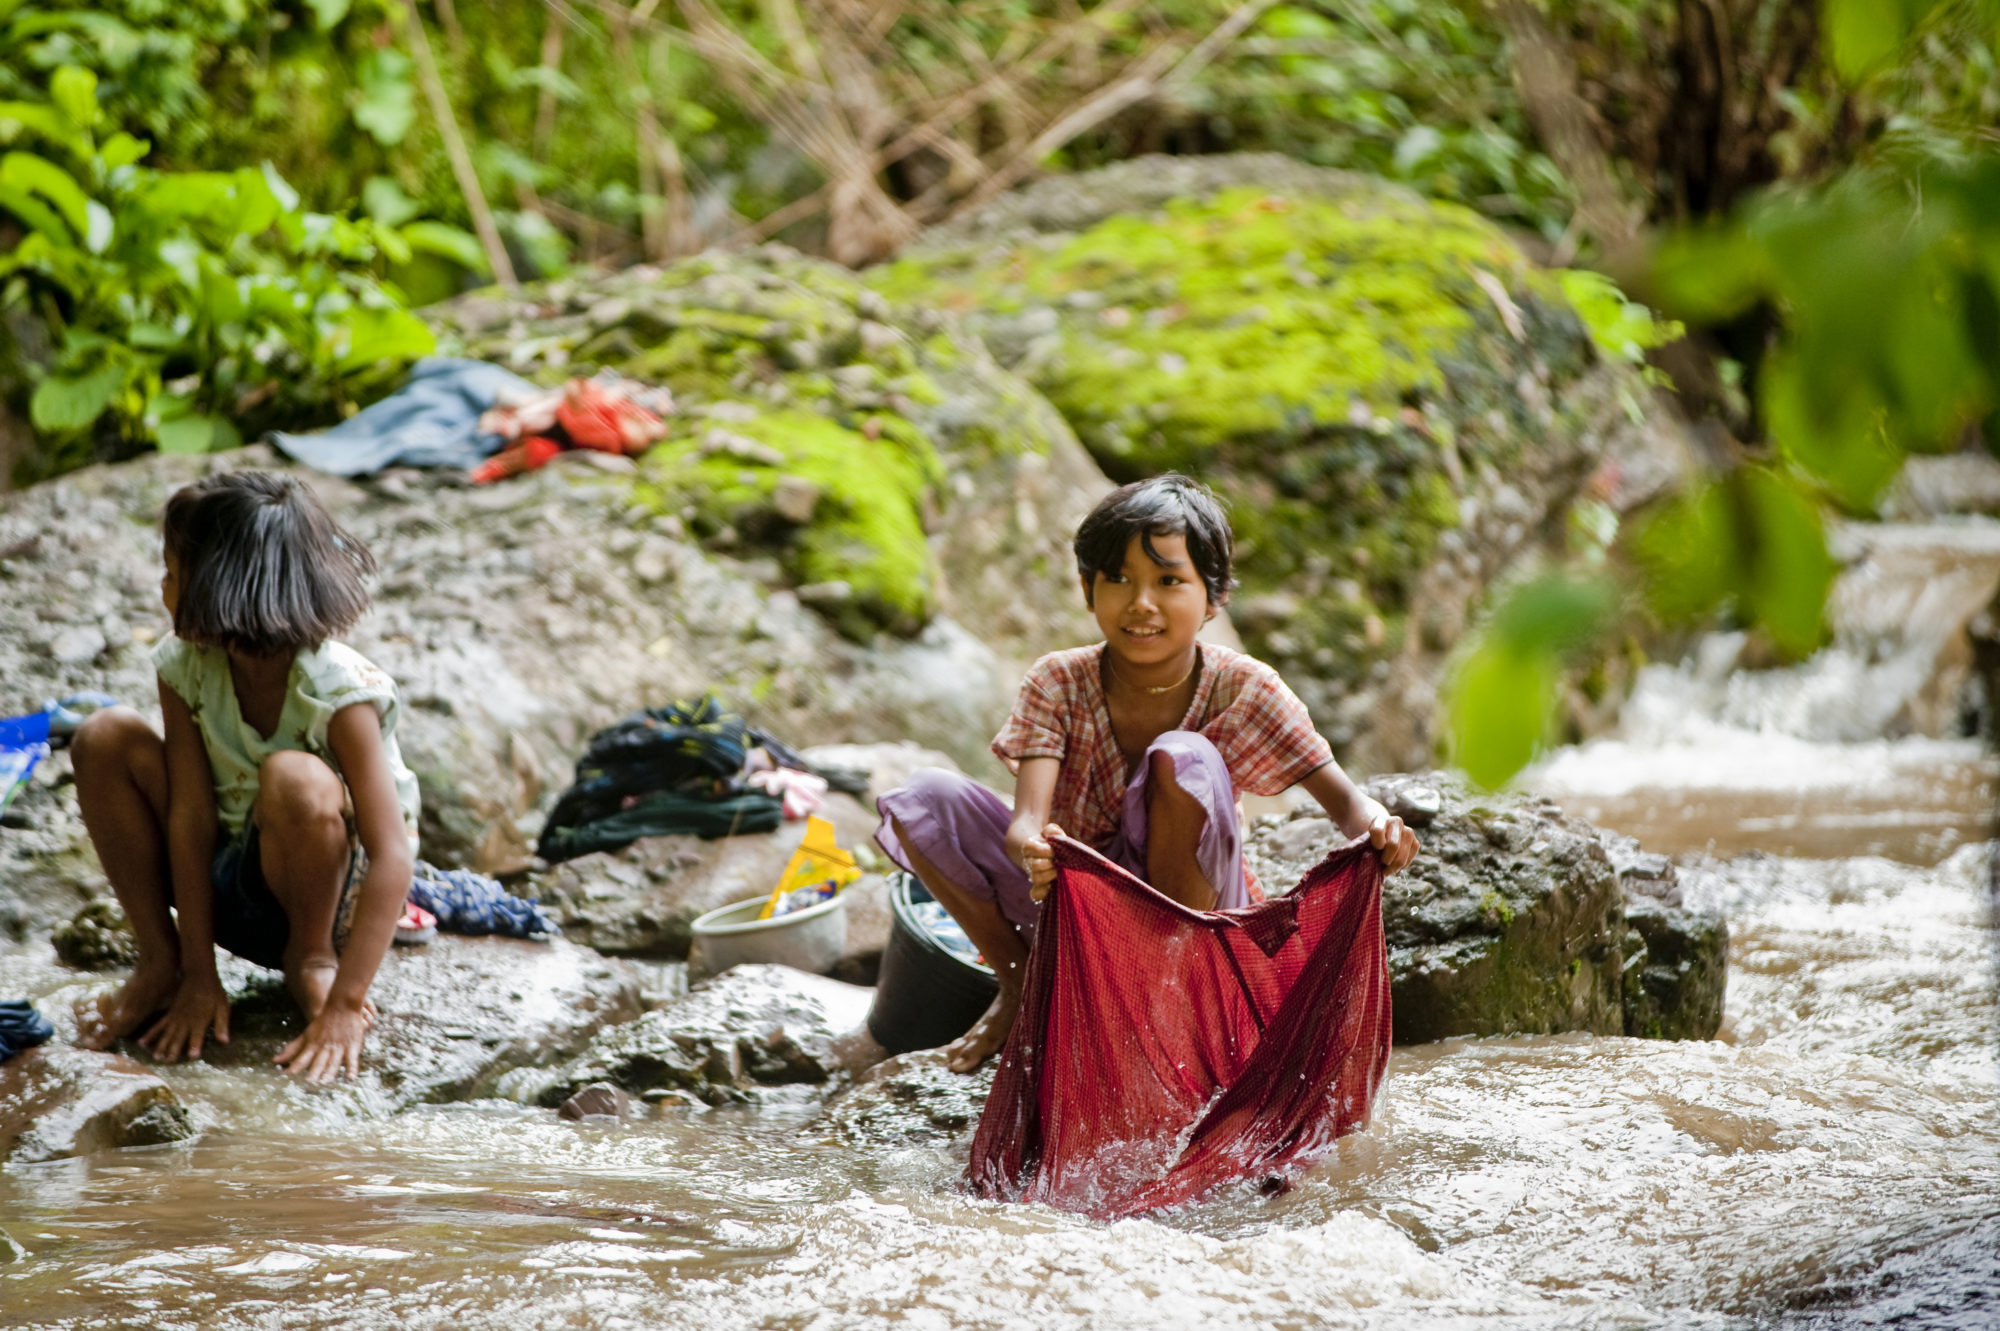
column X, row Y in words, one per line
column 24, row 741
column 471, row 903
column 21, row 1027
column 432, row 421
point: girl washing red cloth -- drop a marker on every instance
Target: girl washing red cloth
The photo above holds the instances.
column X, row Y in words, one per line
column 1137, row 748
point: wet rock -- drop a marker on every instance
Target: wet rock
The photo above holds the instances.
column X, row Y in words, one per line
column 1514, row 920
column 57, row 1102
column 98, row 938
column 1676, row 967
column 911, row 1098
column 455, row 1015
column 597, row 1100
column 730, row 1039
column 1642, row 873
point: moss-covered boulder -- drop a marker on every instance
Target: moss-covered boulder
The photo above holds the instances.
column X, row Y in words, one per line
column 1399, row 404
column 893, row 474
column 1519, row 920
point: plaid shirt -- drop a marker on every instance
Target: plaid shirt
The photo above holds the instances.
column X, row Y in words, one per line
column 1240, row 705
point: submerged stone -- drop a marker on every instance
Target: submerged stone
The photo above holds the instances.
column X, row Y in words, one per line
column 57, row 1102
column 911, row 1098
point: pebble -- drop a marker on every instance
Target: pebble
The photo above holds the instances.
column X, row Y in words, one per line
column 78, row 645
column 795, row 498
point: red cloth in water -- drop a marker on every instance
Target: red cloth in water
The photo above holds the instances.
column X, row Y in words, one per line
column 1163, row 1052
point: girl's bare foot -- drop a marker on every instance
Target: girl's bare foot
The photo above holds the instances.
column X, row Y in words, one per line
column 102, row 1021
column 312, row 982
column 974, row 1047
column 309, row 985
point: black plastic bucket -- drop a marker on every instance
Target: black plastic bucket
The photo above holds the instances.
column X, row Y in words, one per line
column 925, row 994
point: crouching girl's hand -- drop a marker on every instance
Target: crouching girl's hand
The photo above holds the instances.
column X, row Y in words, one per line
column 1038, row 857
column 198, row 1005
column 330, row 1046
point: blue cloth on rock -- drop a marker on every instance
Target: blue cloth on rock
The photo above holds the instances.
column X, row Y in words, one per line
column 21, row 1027
column 471, row 903
column 432, row 421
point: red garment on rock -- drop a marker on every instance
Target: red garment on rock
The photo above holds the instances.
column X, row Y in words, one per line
column 1163, row 1052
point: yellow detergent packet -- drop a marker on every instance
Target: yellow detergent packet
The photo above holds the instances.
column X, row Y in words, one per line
column 818, row 862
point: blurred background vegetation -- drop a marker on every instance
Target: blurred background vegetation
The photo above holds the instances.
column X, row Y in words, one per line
column 215, row 215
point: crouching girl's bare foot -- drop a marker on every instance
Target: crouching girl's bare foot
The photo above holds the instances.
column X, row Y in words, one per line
column 108, row 1018
column 990, row 1032
column 310, row 982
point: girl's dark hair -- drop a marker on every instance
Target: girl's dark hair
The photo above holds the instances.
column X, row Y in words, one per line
column 263, row 566
column 1169, row 505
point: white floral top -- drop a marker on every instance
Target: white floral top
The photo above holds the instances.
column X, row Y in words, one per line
column 322, row 682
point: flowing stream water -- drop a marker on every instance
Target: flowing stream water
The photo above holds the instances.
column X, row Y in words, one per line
column 1831, row 1160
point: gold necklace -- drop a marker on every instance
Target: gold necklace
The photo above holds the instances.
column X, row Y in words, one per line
column 1148, row 688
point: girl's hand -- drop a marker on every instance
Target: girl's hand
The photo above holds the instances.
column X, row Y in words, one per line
column 330, row 1046
column 1038, row 857
column 198, row 1004
column 1397, row 843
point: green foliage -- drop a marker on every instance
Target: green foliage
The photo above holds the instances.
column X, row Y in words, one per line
column 1751, row 540
column 176, row 302
column 1892, row 315
column 1502, row 695
column 1413, row 90
column 1621, row 329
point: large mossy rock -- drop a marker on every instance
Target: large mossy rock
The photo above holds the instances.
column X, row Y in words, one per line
column 1518, row 920
column 894, row 474
column 1399, row 404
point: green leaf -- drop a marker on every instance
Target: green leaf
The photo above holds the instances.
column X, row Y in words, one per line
column 1500, row 700
column 1554, row 614
column 1790, row 570
column 189, row 434
column 1861, row 34
column 372, row 335
column 1830, row 424
column 39, row 175
column 38, row 215
column 449, row 242
column 1687, row 553
column 385, row 99
column 64, row 403
column 47, row 123
column 1711, row 275
column 121, row 149
column 326, row 13
column 384, row 200
column 75, row 91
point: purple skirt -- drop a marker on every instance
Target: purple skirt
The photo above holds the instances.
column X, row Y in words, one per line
column 961, row 827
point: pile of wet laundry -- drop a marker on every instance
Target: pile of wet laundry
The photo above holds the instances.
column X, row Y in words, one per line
column 693, row 768
column 487, row 421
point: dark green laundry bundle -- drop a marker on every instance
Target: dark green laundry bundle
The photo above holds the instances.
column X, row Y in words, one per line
column 666, row 770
